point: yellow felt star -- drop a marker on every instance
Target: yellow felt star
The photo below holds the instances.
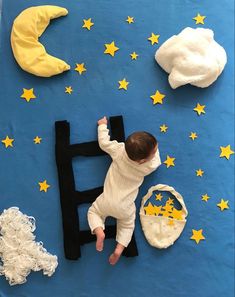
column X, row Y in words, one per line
column 165, row 213
column 154, row 38
column 200, row 109
column 193, row 135
column 169, row 161
column 170, row 222
column 197, row 235
column 157, row 97
column 157, row 210
column 199, row 172
column 223, row 204
column 149, row 210
column 199, row 19
column 43, row 186
column 111, row 48
column 68, row 90
column 177, row 214
column 37, row 140
column 205, row 197
column 168, row 207
column 8, row 142
column 163, row 128
column 28, row 94
column 226, row 152
column 134, row 56
column 159, row 196
column 87, row 24
column 130, row 20
column 80, row 68
column 123, row 84
column 170, row 201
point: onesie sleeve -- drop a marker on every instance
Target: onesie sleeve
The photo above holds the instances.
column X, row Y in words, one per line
column 113, row 147
column 154, row 163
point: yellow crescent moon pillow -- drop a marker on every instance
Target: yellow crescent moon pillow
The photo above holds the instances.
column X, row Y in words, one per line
column 30, row 54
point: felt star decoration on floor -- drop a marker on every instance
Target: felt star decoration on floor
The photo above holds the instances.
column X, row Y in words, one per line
column 205, row 197
column 68, row 90
column 43, row 186
column 80, row 68
column 28, row 94
column 153, row 38
column 223, row 205
column 169, row 161
column 134, row 56
column 8, row 142
column 130, row 20
column 197, row 235
column 226, row 152
column 111, row 48
column 199, row 109
column 193, row 135
column 123, row 84
column 37, row 140
column 199, row 172
column 163, row 128
column 87, row 24
column 157, row 97
column 199, row 19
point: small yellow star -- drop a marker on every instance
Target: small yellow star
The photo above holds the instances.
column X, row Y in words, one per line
column 43, row 186
column 171, row 222
column 226, row 151
column 163, row 128
column 130, row 20
column 170, row 201
column 134, row 56
column 205, row 197
column 199, row 19
column 149, row 210
column 111, row 48
column 193, row 135
column 154, row 38
column 37, row 140
column 157, row 97
column 80, row 68
column 197, row 235
column 169, row 162
column 8, row 142
column 159, row 197
column 168, row 207
column 28, row 94
column 199, row 172
column 87, row 24
column 223, row 204
column 200, row 109
column 68, row 90
column 123, row 84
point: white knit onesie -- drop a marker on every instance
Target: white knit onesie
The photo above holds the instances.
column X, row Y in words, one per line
column 121, row 187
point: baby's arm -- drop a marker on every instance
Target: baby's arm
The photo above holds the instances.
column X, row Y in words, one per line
column 111, row 147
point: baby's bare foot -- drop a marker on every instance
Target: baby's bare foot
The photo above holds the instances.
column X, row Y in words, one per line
column 113, row 259
column 100, row 236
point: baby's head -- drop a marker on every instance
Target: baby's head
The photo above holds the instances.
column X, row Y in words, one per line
column 141, row 146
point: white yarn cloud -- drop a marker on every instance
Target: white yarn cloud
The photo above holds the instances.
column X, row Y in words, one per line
column 18, row 251
column 192, row 57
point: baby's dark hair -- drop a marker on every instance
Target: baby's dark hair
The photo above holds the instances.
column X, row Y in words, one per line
column 139, row 145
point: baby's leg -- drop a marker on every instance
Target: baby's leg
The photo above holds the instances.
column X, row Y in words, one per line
column 116, row 254
column 100, row 236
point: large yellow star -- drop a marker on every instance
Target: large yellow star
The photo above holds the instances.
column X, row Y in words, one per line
column 28, row 94
column 111, row 48
column 193, row 135
column 8, row 142
column 223, row 205
column 169, row 161
column 37, row 140
column 157, row 97
column 123, row 84
column 130, row 20
column 80, row 68
column 159, row 197
column 154, row 38
column 163, row 128
column 68, row 90
column 43, row 186
column 205, row 197
column 157, row 210
column 149, row 210
column 87, row 24
column 199, row 19
column 134, row 56
column 197, row 235
column 177, row 214
column 168, row 207
column 199, row 172
column 200, row 109
column 226, row 152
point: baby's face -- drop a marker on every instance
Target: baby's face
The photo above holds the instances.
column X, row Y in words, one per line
column 150, row 157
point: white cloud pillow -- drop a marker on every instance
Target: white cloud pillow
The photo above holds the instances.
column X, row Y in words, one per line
column 192, row 57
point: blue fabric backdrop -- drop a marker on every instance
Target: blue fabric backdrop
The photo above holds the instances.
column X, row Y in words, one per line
column 185, row 269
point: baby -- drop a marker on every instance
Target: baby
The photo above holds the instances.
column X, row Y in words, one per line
column 132, row 161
